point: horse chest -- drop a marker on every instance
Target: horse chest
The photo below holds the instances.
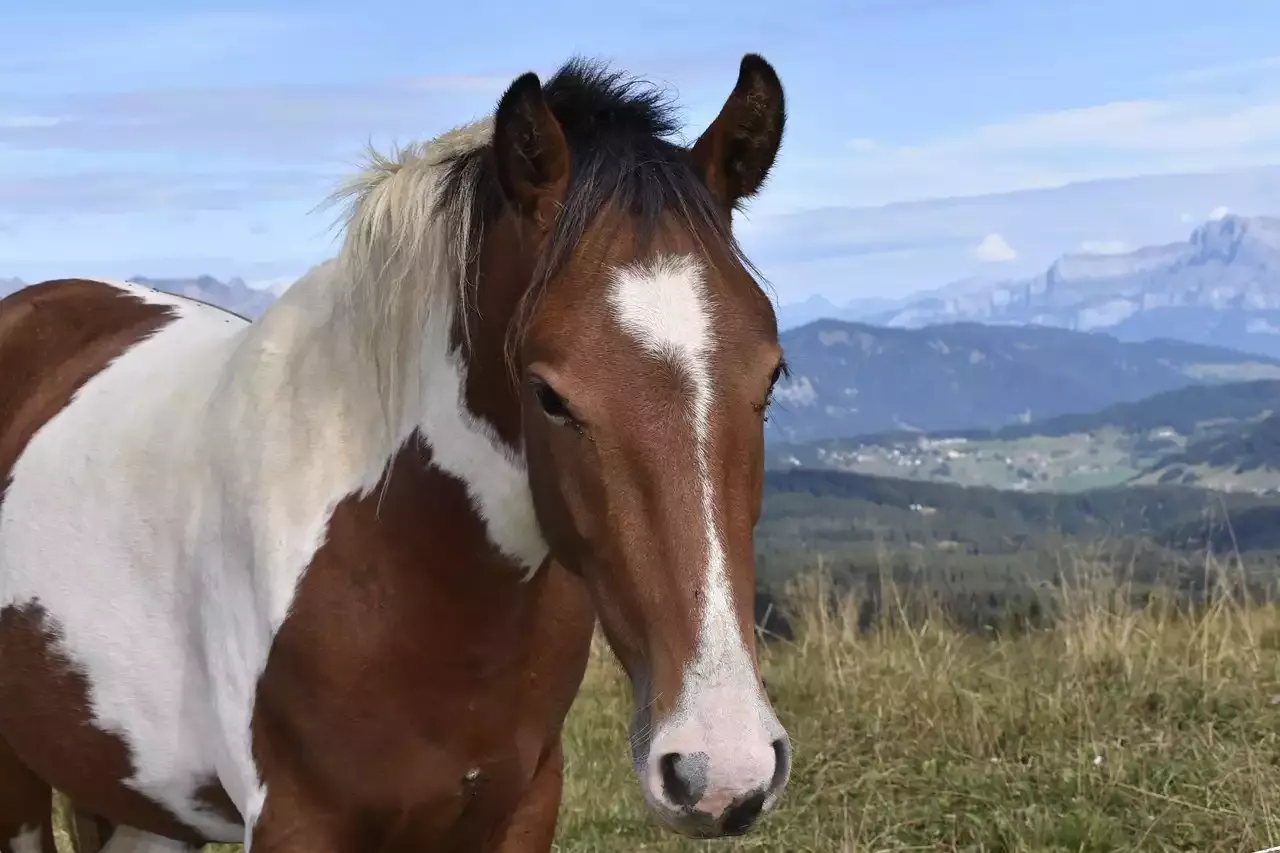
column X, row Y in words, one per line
column 411, row 702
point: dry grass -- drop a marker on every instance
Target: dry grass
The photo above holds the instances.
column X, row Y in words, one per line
column 1116, row 730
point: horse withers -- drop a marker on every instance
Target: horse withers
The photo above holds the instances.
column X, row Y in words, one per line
column 327, row 581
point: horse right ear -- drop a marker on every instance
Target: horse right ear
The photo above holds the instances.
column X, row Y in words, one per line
column 734, row 155
column 531, row 151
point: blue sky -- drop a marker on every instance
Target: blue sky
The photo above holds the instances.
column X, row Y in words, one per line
column 169, row 139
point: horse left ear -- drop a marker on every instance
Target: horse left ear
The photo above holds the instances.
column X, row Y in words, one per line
column 734, row 155
column 530, row 150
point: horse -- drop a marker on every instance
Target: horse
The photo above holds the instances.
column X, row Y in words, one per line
column 327, row 581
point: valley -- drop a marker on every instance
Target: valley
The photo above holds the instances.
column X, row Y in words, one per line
column 1216, row 436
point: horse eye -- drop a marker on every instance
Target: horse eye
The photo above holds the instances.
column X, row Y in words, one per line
column 551, row 402
column 778, row 372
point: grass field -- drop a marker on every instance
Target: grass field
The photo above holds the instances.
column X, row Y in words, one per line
column 1115, row 730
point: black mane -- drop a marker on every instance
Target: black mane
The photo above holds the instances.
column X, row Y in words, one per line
column 591, row 101
column 622, row 156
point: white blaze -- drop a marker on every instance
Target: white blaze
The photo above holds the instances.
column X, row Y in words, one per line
column 664, row 307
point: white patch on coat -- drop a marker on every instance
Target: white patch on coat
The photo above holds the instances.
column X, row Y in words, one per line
column 28, row 840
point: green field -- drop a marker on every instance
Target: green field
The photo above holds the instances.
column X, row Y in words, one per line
column 1116, row 729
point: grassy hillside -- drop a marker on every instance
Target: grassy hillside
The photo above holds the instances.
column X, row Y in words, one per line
column 983, row 551
column 807, row 510
column 1115, row 731
column 1247, row 457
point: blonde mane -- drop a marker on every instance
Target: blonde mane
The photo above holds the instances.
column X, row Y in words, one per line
column 403, row 260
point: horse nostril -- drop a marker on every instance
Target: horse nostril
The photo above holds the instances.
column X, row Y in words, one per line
column 742, row 815
column 684, row 777
column 781, row 763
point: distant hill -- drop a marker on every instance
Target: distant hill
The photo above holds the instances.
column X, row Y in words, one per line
column 793, row 314
column 234, row 295
column 852, row 379
column 1181, row 431
column 1255, row 446
column 796, row 314
column 1221, row 286
column 977, row 540
column 990, row 520
column 1244, row 458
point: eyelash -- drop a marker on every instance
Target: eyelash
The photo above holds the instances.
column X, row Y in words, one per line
column 780, row 372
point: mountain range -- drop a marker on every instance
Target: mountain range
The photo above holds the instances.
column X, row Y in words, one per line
column 1092, row 331
column 1221, row 286
column 237, row 295
column 850, row 379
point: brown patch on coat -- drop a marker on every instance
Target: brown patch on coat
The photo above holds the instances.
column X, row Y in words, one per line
column 55, row 337
column 417, row 685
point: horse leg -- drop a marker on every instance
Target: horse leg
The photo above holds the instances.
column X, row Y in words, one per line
column 126, row 839
column 26, row 807
column 89, row 833
column 92, row 834
column 532, row 828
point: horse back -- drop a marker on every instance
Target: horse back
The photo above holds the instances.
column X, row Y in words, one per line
column 54, row 337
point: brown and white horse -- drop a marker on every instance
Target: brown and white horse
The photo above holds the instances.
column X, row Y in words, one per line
column 326, row 582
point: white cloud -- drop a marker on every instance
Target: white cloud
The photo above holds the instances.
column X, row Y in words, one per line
column 1104, row 247
column 994, row 249
column 1218, row 213
column 847, row 251
column 1180, row 134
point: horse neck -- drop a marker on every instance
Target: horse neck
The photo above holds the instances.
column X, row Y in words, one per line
column 334, row 383
column 505, row 267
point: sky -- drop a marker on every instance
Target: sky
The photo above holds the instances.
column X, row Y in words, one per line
column 927, row 140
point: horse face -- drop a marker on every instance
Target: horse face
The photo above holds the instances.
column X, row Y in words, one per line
column 646, row 367
column 644, row 438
